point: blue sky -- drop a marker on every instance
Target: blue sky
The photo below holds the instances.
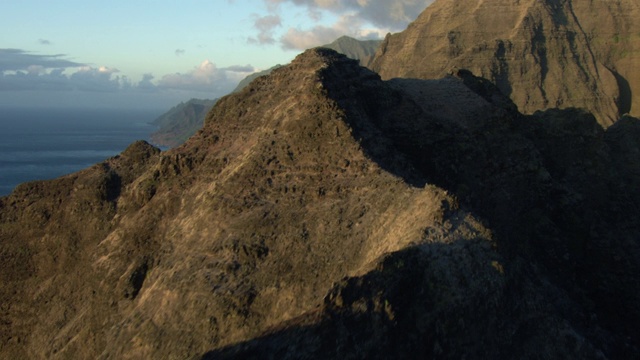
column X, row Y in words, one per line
column 156, row 53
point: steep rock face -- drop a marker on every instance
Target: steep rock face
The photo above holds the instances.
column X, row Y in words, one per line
column 543, row 54
column 612, row 30
column 322, row 212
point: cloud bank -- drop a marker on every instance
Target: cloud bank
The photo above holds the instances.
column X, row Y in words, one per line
column 206, row 77
column 17, row 59
column 392, row 14
column 365, row 19
column 27, row 73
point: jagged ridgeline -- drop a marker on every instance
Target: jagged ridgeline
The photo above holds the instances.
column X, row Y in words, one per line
column 322, row 212
column 541, row 53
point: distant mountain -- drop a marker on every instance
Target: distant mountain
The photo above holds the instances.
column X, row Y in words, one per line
column 361, row 50
column 183, row 120
column 323, row 213
column 180, row 122
column 542, row 53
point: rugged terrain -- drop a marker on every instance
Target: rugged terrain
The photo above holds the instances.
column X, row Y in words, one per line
column 322, row 212
column 542, row 54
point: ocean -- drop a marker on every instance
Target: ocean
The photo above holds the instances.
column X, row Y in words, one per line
column 39, row 144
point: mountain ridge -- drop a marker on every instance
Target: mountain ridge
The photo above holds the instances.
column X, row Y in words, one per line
column 323, row 206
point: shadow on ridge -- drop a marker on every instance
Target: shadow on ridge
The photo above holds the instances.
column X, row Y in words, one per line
column 555, row 188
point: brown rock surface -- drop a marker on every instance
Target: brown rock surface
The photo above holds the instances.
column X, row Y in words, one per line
column 543, row 54
column 324, row 213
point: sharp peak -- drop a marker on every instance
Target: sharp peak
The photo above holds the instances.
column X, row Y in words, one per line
column 322, row 55
column 325, row 64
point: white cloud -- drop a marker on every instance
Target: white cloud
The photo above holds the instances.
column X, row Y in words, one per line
column 304, row 39
column 393, row 14
column 84, row 78
column 265, row 26
column 357, row 18
column 349, row 24
column 206, row 77
column 23, row 74
column 97, row 79
column 36, row 69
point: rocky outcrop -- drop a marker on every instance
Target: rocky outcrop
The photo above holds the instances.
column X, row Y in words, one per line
column 542, row 54
column 324, row 213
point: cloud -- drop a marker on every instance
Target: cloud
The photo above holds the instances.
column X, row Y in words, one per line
column 206, row 77
column 145, row 84
column 265, row 26
column 25, row 76
column 364, row 19
column 22, row 81
column 86, row 79
column 348, row 24
column 392, row 14
column 97, row 79
column 21, row 70
column 180, row 52
column 36, row 70
column 17, row 60
column 44, row 42
column 304, row 39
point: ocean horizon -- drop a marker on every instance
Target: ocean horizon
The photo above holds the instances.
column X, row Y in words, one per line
column 43, row 144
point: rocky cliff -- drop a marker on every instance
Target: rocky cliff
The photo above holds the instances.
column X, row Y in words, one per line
column 324, row 213
column 542, row 54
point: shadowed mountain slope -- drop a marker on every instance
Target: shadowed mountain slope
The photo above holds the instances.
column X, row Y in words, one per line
column 543, row 54
column 324, row 213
